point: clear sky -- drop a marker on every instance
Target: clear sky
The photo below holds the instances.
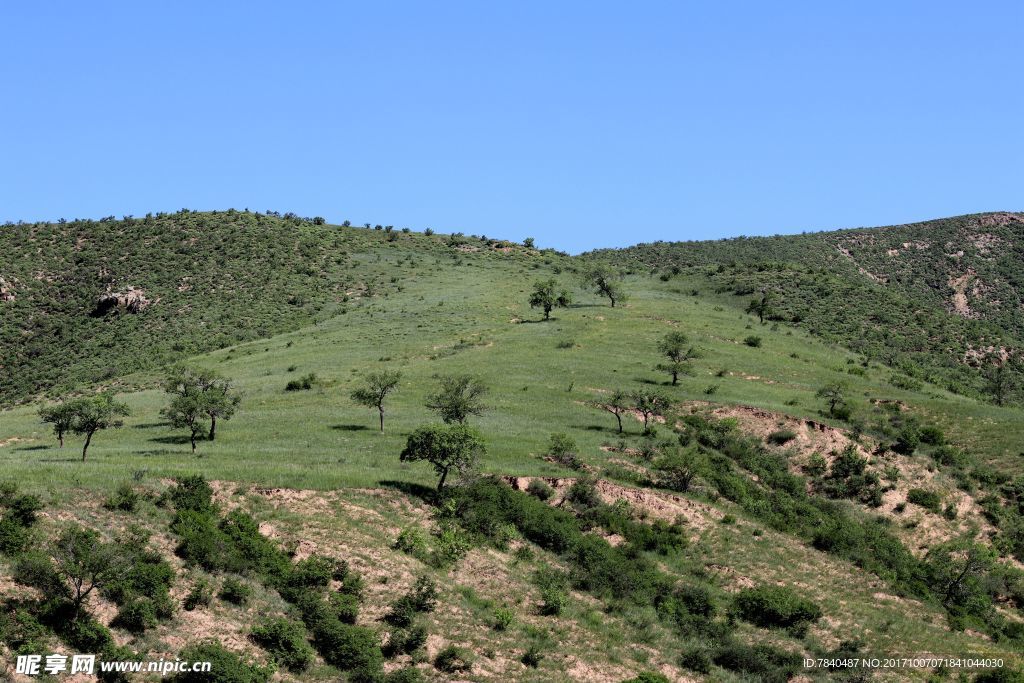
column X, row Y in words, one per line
column 580, row 123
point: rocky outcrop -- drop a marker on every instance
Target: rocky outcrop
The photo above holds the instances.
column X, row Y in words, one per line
column 132, row 300
column 6, row 291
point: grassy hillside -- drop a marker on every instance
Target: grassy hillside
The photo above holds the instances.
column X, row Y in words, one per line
column 654, row 578
column 939, row 300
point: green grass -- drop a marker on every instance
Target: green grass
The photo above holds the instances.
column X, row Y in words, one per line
column 460, row 320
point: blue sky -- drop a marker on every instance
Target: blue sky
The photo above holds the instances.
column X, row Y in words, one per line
column 582, row 124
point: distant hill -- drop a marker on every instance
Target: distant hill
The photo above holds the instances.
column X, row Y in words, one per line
column 941, row 300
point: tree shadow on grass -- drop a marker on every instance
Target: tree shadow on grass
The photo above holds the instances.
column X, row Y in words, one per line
column 427, row 494
column 350, row 428
column 150, row 425
column 40, row 447
column 75, row 459
column 597, row 428
column 176, row 439
column 158, row 451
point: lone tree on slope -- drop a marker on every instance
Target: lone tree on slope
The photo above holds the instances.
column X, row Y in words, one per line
column 649, row 404
column 546, row 296
column 446, row 447
column 762, row 307
column 375, row 390
column 606, row 282
column 61, row 416
column 834, row 394
column 675, row 347
column 617, row 404
column 95, row 413
column 188, row 411
column 458, row 397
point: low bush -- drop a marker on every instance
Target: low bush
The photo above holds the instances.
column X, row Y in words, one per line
column 540, row 489
column 303, row 384
column 503, row 618
column 776, row 607
column 350, row 648
column 453, row 659
column 234, row 591
column 412, row 541
column 781, row 437
column 753, row 341
column 136, row 615
column 225, row 666
column 286, row 642
column 929, row 500
column 764, row 662
column 124, row 499
column 200, row 595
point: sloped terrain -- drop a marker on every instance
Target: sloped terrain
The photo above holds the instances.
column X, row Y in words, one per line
column 594, row 554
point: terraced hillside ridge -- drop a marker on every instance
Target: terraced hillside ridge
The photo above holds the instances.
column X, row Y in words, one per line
column 680, row 487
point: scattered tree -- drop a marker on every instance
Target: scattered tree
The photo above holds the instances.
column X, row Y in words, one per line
column 61, row 416
column 528, row 243
column 999, row 379
column 188, row 411
column 957, row 571
column 447, row 447
column 606, row 282
column 678, row 467
column 376, row 389
column 95, row 413
column 86, row 563
column 762, row 307
column 649, row 403
column 834, row 394
column 546, row 296
column 458, row 397
column 216, row 393
column 675, row 347
column 616, row 404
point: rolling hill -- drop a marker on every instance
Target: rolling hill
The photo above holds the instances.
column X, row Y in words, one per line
column 751, row 527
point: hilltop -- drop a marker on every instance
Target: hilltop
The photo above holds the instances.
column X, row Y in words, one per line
column 752, row 525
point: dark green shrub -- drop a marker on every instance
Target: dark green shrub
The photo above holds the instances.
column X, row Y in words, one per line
column 453, row 659
column 225, row 666
column 286, row 642
column 85, row 634
column 533, row 656
column 648, row 677
column 540, row 489
column 564, row 451
column 36, row 569
column 344, row 607
column 200, row 595
column 22, row 632
column 23, row 509
column 781, row 437
column 412, row 541
column 583, row 494
column 933, row 436
column 303, row 384
column 406, row 640
column 136, row 615
column 350, row 648
column 907, row 439
column 234, row 591
column 409, row 674
column 776, row 607
column 766, row 663
column 753, row 341
column 696, row 659
column 929, row 500
column 124, row 499
column 14, row 537
column 191, row 493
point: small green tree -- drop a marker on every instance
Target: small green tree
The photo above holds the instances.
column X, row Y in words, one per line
column 546, row 296
column 446, row 447
column 528, row 243
column 616, row 404
column 957, row 572
column 458, row 397
column 375, row 390
column 678, row 467
column 650, row 403
column 188, row 411
column 834, row 394
column 86, row 563
column 218, row 395
column 762, row 307
column 93, row 414
column 61, row 416
column 675, row 347
column 606, row 282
